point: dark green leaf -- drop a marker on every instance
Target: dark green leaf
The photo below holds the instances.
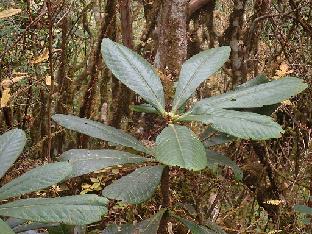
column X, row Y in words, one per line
column 136, row 187
column 13, row 222
column 146, row 108
column 5, row 228
column 36, row 179
column 74, row 210
column 193, row 227
column 197, row 69
column 86, row 161
column 33, row 226
column 11, row 146
column 303, row 209
column 239, row 124
column 178, row 146
column 151, row 225
column 211, row 137
column 148, row 226
column 135, row 72
column 66, row 229
column 99, row 130
column 264, row 110
column 254, row 96
column 216, row 158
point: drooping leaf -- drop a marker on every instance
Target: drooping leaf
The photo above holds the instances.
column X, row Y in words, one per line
column 36, row 179
column 211, row 137
column 148, row 226
column 239, row 124
column 178, row 146
column 151, row 225
column 86, row 161
column 13, row 222
column 146, row 108
column 303, row 209
column 196, row 70
column 255, row 96
column 5, row 228
column 216, row 158
column 73, row 210
column 193, row 227
column 136, row 187
column 11, row 146
column 64, row 229
column 135, row 72
column 218, row 139
column 98, row 130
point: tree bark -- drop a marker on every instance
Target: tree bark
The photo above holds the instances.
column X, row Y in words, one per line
column 252, row 34
column 232, row 37
column 108, row 24
column 172, row 37
column 64, row 84
column 124, row 94
column 195, row 5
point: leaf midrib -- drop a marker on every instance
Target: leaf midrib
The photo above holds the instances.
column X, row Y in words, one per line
column 241, row 94
column 127, row 138
column 179, row 144
column 48, row 205
column 190, row 80
column 160, row 107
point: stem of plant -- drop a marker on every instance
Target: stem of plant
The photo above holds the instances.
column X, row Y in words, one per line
column 164, row 187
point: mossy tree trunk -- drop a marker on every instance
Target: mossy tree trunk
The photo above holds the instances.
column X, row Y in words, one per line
column 171, row 53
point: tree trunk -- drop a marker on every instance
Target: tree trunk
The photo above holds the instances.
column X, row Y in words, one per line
column 123, row 99
column 172, row 36
column 171, row 53
column 232, row 37
column 108, row 25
